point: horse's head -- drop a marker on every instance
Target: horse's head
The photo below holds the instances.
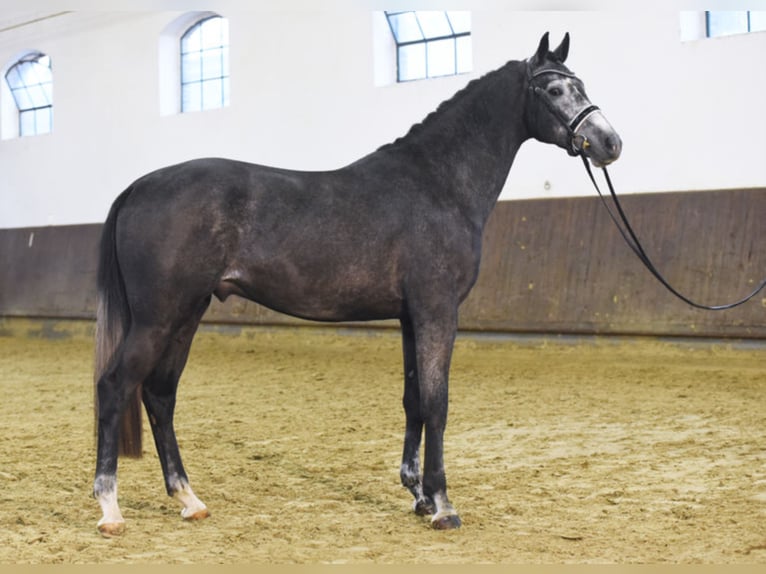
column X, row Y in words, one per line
column 559, row 112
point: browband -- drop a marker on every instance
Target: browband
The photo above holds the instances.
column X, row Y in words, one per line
column 552, row 71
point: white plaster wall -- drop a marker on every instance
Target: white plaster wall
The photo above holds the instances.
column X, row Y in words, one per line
column 305, row 95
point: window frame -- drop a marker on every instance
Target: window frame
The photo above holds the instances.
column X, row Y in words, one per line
column 225, row 73
column 426, row 40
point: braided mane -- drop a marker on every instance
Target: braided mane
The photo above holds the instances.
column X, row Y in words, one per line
column 456, row 100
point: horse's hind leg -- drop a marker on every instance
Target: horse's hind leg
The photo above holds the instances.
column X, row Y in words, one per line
column 159, row 396
column 134, row 360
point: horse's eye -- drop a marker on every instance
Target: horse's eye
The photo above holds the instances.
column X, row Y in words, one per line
column 555, row 92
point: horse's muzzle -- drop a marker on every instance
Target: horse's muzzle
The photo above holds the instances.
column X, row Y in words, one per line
column 601, row 145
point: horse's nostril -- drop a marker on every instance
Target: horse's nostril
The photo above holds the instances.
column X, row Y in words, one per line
column 613, row 145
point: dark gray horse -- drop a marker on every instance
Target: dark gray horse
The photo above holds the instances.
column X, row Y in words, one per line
column 396, row 234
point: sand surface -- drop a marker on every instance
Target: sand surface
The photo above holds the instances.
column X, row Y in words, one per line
column 557, row 450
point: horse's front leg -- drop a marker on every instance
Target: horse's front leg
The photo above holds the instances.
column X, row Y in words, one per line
column 410, row 469
column 434, row 337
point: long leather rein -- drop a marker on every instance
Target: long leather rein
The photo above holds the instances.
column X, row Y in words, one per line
column 578, row 143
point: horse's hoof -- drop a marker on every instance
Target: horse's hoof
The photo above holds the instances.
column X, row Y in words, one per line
column 446, row 522
column 199, row 515
column 423, row 508
column 110, row 529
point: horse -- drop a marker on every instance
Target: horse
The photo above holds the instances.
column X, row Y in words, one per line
column 396, row 234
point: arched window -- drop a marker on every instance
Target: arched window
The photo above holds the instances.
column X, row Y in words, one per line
column 205, row 65
column 31, row 84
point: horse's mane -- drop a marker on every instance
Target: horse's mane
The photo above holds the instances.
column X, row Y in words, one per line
column 456, row 100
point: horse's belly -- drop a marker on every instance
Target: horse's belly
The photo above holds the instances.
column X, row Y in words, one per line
column 320, row 295
column 328, row 307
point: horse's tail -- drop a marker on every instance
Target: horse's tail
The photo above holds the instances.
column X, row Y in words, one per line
column 112, row 324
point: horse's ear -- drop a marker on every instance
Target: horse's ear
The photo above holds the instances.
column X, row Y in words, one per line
column 561, row 53
column 542, row 51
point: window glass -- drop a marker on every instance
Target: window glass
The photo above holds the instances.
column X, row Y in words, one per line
column 212, row 36
column 727, row 22
column 192, row 40
column 434, row 24
column 212, row 63
column 31, row 84
column 431, row 43
column 412, row 62
column 464, row 54
column 212, row 94
column 191, row 98
column 191, row 67
column 757, row 21
column 441, row 57
column 205, row 65
column 27, row 122
column 43, row 118
column 405, row 27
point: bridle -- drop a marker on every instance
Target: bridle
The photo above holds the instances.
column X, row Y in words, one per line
column 577, row 145
column 577, row 142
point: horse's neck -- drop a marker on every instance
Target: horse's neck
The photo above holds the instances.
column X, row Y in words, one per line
column 468, row 145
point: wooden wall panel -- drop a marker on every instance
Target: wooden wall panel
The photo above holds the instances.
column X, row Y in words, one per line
column 549, row 265
column 49, row 271
column 561, row 266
